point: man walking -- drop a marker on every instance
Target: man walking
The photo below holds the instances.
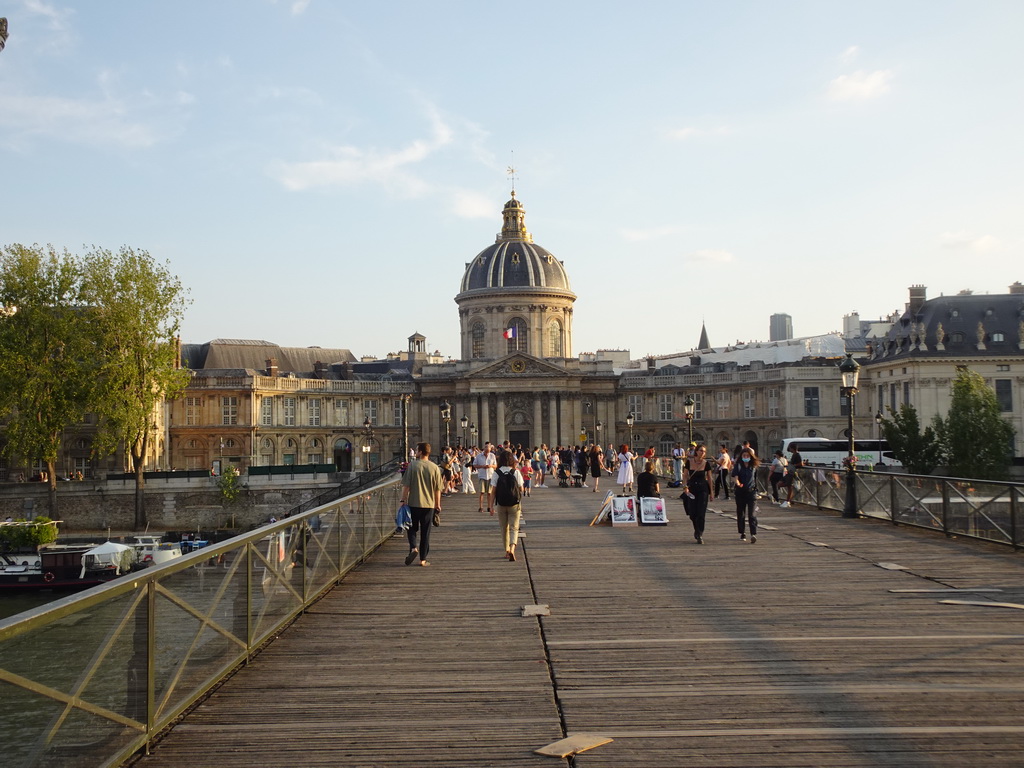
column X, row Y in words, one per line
column 485, row 463
column 421, row 490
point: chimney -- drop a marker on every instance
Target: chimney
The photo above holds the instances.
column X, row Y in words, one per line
column 1017, row 288
column 272, row 367
column 318, row 369
column 652, row 367
column 918, row 296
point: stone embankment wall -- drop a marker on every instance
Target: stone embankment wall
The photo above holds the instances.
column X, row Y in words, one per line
column 86, row 506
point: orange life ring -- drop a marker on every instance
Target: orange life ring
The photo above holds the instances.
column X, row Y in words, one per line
column 147, row 559
column 48, row 577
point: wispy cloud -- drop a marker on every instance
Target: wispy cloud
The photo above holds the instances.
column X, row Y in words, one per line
column 710, row 256
column 860, row 85
column 57, row 22
column 468, row 204
column 642, row 235
column 693, row 132
column 964, row 241
column 850, row 55
column 348, row 165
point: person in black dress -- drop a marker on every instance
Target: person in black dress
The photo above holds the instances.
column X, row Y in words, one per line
column 697, row 482
column 596, row 457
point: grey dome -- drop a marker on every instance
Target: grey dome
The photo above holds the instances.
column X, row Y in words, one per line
column 515, row 261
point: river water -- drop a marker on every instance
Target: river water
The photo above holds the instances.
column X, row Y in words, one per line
column 16, row 602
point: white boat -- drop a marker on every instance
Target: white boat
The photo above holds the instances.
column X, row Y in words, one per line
column 152, row 551
column 109, row 559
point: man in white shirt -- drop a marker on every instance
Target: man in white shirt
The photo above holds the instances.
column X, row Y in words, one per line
column 485, row 463
column 678, row 454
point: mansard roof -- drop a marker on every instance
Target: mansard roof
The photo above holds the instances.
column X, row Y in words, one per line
column 254, row 353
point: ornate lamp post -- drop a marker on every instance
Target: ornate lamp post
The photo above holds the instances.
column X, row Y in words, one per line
column 689, row 409
column 878, row 436
column 367, row 441
column 472, row 433
column 597, row 432
column 629, row 429
column 464, row 422
column 405, row 426
column 446, row 416
column 849, row 369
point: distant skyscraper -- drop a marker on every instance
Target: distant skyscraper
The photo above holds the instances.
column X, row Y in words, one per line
column 781, row 328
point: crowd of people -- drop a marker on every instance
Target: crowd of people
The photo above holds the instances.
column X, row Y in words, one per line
column 501, row 476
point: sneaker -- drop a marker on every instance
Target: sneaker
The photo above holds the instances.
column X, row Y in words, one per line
column 700, row 540
column 411, row 556
column 742, row 537
column 784, row 504
column 753, row 539
column 584, row 486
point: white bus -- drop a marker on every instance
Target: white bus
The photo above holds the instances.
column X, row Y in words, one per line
column 822, row 452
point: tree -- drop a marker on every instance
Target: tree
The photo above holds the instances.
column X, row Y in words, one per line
column 46, row 353
column 136, row 306
column 919, row 452
column 976, row 440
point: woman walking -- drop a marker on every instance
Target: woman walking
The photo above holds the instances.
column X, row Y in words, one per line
column 596, row 459
column 625, row 478
column 697, row 481
column 779, row 465
column 744, row 472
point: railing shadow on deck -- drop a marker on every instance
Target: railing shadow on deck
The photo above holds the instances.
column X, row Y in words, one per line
column 90, row 680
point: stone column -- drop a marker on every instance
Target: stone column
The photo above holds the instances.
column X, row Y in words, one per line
column 474, row 415
column 538, row 426
column 501, row 432
column 553, row 433
column 577, row 416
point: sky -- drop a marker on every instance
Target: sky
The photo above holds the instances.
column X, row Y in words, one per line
column 319, row 173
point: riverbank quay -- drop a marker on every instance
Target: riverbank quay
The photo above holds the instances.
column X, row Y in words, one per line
column 828, row 642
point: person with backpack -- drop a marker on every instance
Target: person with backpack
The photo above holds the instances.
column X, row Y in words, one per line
column 506, row 496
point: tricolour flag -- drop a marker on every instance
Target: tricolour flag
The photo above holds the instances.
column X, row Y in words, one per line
column 509, row 333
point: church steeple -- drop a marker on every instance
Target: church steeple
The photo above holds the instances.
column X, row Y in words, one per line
column 514, row 222
column 703, row 343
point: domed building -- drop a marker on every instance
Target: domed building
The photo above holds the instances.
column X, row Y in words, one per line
column 515, row 297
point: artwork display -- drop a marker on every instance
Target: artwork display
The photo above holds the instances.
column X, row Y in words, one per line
column 624, row 510
column 652, row 511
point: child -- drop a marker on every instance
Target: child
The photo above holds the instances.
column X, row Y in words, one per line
column 524, row 470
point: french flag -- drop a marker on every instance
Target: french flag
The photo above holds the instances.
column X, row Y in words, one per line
column 509, row 333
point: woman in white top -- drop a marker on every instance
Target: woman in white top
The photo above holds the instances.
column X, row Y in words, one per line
column 626, row 468
column 778, row 471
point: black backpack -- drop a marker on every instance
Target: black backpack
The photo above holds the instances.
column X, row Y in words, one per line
column 506, row 489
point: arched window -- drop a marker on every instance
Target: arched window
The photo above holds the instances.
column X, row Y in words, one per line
column 554, row 339
column 477, row 336
column 516, row 335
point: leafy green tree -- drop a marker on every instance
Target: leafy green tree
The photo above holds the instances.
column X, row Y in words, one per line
column 919, row 452
column 976, row 440
column 46, row 353
column 229, row 484
column 136, row 307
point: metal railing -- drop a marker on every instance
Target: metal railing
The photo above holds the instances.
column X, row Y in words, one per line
column 89, row 680
column 981, row 509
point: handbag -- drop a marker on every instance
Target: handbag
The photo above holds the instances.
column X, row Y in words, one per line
column 437, row 518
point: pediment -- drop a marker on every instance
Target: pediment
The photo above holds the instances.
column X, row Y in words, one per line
column 518, row 365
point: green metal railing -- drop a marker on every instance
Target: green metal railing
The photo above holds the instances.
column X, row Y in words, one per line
column 90, row 680
column 980, row 509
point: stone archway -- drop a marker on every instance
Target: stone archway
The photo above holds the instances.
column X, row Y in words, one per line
column 343, row 455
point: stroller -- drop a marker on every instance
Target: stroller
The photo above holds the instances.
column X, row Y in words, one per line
column 563, row 476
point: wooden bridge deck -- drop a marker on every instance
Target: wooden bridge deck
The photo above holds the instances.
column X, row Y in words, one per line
column 780, row 653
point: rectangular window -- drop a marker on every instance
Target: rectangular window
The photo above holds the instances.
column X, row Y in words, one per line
column 906, row 393
column 773, row 403
column 289, row 411
column 229, row 410
column 666, row 407
column 1004, row 394
column 396, row 406
column 635, row 405
column 1002, row 368
column 892, row 395
column 881, row 397
column 315, row 458
column 844, row 405
column 722, row 398
column 698, row 408
column 313, row 410
column 267, row 411
column 812, row 405
column 370, row 410
column 192, row 406
column 341, row 413
column 748, row 403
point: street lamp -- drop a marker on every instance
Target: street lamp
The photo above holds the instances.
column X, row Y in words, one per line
column 849, row 370
column 629, row 428
column 689, row 409
column 878, row 436
column 464, row 421
column 367, row 440
column 597, row 432
column 472, row 433
column 446, row 416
